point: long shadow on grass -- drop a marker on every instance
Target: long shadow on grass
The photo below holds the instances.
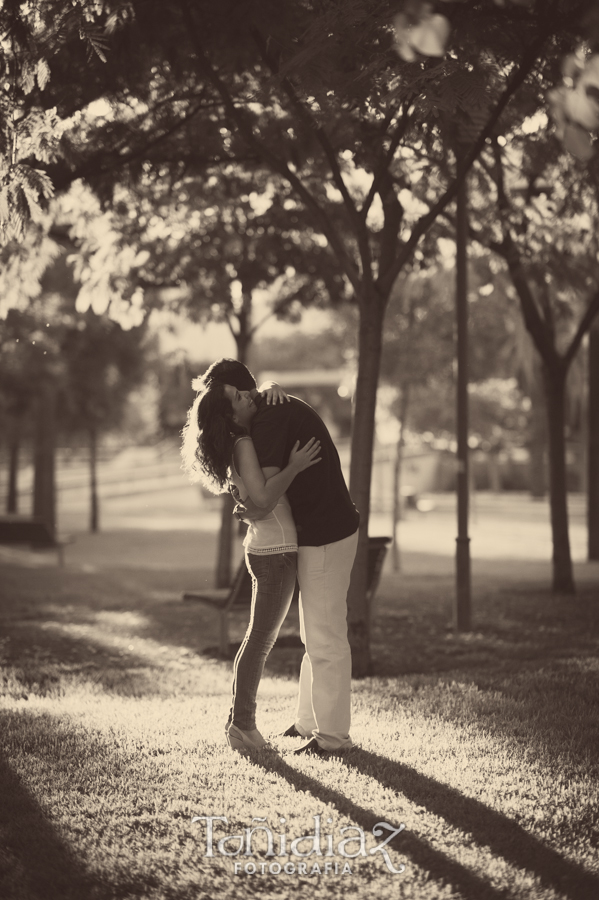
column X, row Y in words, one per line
column 39, row 658
column 502, row 835
column 440, row 866
column 148, row 602
column 553, row 710
column 36, row 862
column 488, row 828
column 512, row 628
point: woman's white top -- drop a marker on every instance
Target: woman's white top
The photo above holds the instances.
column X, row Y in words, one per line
column 276, row 532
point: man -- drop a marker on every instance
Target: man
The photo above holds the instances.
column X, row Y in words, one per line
column 327, row 531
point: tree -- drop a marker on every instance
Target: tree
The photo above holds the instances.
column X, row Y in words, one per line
column 204, row 247
column 419, row 354
column 545, row 231
column 332, row 113
column 593, row 446
column 31, row 373
column 103, row 363
column 417, row 346
column 21, row 373
column 33, row 38
column 346, row 121
column 62, row 369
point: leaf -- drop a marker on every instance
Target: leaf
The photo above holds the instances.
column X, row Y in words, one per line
column 19, row 211
column 22, row 205
column 470, row 90
column 4, row 207
column 125, row 13
column 42, row 73
column 45, row 186
column 96, row 39
column 36, row 180
column 27, row 77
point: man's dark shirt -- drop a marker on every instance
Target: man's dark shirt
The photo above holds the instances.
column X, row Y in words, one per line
column 320, row 502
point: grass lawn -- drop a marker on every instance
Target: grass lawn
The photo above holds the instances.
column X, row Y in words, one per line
column 484, row 746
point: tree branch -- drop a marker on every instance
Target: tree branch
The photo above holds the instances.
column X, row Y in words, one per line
column 583, row 326
column 393, row 214
column 276, row 308
column 541, row 329
column 93, row 166
column 279, row 165
column 357, row 221
column 306, row 117
column 385, row 163
column 517, row 78
column 535, row 325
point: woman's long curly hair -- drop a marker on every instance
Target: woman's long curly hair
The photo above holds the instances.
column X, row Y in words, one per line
column 208, row 439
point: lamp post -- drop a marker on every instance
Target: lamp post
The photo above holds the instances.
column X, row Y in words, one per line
column 462, row 616
column 593, row 444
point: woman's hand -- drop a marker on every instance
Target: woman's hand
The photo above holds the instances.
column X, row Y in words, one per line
column 273, row 393
column 306, row 457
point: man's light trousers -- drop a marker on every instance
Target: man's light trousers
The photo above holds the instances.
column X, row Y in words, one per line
column 324, row 701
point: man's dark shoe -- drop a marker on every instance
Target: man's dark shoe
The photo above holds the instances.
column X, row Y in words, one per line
column 291, row 732
column 312, row 748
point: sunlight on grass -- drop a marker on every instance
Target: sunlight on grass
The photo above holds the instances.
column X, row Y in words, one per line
column 136, row 770
column 112, row 740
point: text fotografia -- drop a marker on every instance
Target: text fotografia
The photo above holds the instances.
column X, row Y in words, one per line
column 292, row 869
column 306, row 845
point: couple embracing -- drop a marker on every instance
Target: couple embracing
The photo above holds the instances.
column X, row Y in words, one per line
column 276, row 455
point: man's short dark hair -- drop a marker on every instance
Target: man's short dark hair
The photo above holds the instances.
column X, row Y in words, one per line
column 226, row 371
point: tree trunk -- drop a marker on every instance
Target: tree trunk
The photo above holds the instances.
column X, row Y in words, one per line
column 593, row 445
column 94, row 524
column 14, row 446
column 397, row 498
column 537, row 468
column 494, row 472
column 44, row 485
column 537, row 443
column 369, row 356
column 555, row 390
column 223, row 571
column 462, row 604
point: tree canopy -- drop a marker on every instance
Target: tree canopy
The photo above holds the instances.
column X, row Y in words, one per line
column 371, row 143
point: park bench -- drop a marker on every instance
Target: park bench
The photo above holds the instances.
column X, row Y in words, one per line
column 239, row 595
column 31, row 531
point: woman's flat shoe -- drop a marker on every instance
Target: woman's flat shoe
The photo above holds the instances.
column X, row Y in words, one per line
column 242, row 740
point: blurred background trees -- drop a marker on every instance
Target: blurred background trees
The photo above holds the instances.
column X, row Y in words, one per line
column 233, row 163
column 63, row 373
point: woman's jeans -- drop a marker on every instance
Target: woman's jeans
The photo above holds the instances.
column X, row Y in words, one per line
column 273, row 583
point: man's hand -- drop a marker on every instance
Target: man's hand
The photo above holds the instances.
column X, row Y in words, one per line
column 273, row 393
column 247, row 511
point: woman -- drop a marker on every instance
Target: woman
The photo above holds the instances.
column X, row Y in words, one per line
column 218, row 450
